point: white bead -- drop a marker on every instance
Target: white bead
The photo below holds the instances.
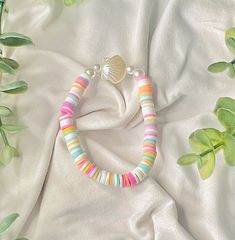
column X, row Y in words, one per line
column 138, row 72
column 90, row 72
column 130, row 70
column 97, row 67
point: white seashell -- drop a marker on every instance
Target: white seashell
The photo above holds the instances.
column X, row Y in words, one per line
column 113, row 69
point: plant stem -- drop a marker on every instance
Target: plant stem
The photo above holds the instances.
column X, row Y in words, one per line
column 3, row 134
column 211, row 150
column 2, row 2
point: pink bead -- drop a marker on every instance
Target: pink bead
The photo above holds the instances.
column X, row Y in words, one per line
column 132, row 179
column 67, row 108
column 123, row 181
column 84, row 83
column 150, row 149
column 91, row 169
column 142, row 77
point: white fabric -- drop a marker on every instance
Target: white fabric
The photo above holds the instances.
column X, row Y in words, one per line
column 174, row 40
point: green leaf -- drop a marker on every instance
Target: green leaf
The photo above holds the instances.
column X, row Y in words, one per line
column 225, row 111
column 230, row 39
column 5, row 68
column 13, row 39
column 14, row 87
column 8, row 65
column 226, row 103
column 230, row 42
column 226, row 117
column 7, row 221
column 7, row 154
column 206, row 165
column 200, row 142
column 11, row 62
column 231, row 70
column 5, row 111
column 232, row 131
column 21, row 239
column 71, row 2
column 217, row 67
column 12, row 128
column 229, row 149
column 188, row 159
column 214, row 135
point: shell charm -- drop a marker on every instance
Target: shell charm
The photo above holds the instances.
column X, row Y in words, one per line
column 113, row 69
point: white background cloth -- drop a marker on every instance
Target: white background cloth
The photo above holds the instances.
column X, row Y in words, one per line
column 174, row 41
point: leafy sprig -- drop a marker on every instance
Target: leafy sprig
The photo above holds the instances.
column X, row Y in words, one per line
column 7, row 222
column 71, row 2
column 222, row 66
column 9, row 66
column 207, row 142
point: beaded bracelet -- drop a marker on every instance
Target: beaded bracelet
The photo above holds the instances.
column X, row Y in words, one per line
column 113, row 69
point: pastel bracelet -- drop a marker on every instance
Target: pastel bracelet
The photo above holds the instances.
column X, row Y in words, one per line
column 113, row 69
